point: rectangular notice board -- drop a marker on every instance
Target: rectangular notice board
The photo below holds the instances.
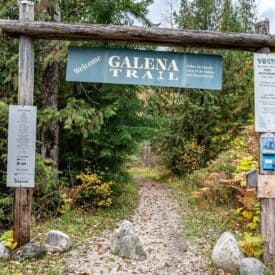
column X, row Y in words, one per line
column 264, row 89
column 141, row 67
column 21, row 146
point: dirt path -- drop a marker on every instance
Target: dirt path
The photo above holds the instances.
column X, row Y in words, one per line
column 156, row 221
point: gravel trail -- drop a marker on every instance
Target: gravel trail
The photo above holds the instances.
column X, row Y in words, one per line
column 157, row 223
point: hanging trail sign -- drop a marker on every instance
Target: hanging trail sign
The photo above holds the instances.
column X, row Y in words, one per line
column 264, row 88
column 21, row 146
column 140, row 67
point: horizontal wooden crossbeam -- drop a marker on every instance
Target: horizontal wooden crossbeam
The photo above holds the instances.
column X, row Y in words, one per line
column 138, row 35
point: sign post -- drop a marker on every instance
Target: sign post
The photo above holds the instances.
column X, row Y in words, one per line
column 264, row 118
column 23, row 195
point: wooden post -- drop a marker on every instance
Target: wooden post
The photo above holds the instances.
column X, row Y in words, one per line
column 267, row 205
column 138, row 35
column 22, row 196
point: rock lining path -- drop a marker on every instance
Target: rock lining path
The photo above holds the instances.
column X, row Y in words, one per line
column 157, row 223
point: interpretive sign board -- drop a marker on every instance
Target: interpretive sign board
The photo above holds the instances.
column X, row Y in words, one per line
column 141, row 67
column 21, row 146
column 264, row 87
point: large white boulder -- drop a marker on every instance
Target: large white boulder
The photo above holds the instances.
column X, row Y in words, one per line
column 252, row 266
column 226, row 253
column 57, row 241
column 125, row 243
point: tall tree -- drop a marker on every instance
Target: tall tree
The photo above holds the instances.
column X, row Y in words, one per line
column 198, row 124
column 49, row 89
column 199, row 14
column 81, row 110
column 119, row 12
column 247, row 14
column 88, row 96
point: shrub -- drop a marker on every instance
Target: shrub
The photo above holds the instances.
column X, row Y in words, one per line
column 46, row 177
column 5, row 211
column 223, row 183
column 245, row 164
column 190, row 159
column 7, row 239
column 94, row 191
column 215, row 190
column 252, row 245
column 247, row 220
column 46, row 198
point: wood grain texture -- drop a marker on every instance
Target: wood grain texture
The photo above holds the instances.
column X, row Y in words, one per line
column 23, row 196
column 252, row 178
column 26, row 71
column 22, row 215
column 268, row 230
column 266, row 187
column 267, row 205
column 26, row 57
column 138, row 35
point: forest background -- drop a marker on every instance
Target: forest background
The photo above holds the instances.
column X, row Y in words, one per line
column 88, row 133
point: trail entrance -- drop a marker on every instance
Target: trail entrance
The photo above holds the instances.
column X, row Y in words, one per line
column 27, row 30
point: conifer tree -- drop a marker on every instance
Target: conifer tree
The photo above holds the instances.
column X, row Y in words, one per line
column 81, row 110
column 200, row 123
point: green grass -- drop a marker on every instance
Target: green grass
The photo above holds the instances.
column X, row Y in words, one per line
column 198, row 223
column 155, row 173
column 80, row 225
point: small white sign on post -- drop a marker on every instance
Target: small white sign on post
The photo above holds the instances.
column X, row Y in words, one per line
column 264, row 88
column 21, row 146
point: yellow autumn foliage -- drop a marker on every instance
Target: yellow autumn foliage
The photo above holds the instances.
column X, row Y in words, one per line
column 7, row 239
column 248, row 215
column 93, row 190
column 252, row 245
column 248, row 218
column 245, row 164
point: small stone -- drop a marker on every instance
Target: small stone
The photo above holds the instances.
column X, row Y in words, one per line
column 125, row 243
column 4, row 251
column 226, row 253
column 57, row 241
column 28, row 251
column 252, row 266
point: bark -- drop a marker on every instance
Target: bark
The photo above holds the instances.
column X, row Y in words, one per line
column 267, row 204
column 23, row 196
column 139, row 35
column 49, row 94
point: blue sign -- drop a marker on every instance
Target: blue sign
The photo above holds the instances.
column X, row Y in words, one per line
column 268, row 144
column 140, row 67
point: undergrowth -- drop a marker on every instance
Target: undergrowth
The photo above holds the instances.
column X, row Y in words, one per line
column 220, row 191
column 215, row 199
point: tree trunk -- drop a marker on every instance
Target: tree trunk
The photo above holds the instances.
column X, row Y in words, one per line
column 49, row 93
